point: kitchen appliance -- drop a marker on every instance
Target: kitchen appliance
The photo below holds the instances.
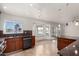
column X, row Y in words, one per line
column 27, row 40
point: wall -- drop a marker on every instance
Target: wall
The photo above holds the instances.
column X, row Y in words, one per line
column 71, row 30
column 27, row 22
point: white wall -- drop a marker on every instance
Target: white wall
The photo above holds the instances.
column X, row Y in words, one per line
column 71, row 30
column 27, row 22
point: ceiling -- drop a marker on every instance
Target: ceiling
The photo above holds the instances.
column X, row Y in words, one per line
column 55, row 12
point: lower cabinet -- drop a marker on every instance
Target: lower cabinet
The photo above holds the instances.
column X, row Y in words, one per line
column 10, row 45
column 33, row 41
column 63, row 42
column 18, row 43
column 13, row 44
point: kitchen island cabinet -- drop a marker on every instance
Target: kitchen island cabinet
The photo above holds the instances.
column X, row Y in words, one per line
column 64, row 41
column 16, row 43
column 72, row 49
column 13, row 44
column 33, row 41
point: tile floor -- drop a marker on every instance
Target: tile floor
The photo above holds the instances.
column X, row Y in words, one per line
column 42, row 48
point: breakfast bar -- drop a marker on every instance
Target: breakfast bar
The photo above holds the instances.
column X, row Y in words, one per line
column 68, row 49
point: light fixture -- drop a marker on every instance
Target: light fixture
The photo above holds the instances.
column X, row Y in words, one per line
column 31, row 5
column 4, row 7
column 59, row 25
column 76, row 23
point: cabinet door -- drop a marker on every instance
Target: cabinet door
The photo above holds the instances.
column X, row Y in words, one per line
column 18, row 43
column 33, row 41
column 10, row 45
column 59, row 44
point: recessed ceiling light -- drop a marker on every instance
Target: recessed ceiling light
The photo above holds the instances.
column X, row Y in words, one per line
column 59, row 25
column 4, row 7
column 31, row 4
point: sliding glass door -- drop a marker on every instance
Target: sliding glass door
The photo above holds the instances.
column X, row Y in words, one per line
column 42, row 30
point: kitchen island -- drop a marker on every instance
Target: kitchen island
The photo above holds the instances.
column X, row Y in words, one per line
column 68, row 46
column 13, row 43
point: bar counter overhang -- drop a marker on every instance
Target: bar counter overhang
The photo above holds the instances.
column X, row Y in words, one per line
column 71, row 49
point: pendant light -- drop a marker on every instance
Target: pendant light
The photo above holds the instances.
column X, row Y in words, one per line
column 76, row 21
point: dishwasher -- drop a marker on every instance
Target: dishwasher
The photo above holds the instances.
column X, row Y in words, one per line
column 27, row 40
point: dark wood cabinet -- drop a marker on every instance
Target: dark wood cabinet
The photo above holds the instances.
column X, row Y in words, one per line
column 63, row 42
column 15, row 41
column 18, row 43
column 33, row 41
column 13, row 44
column 10, row 45
column 1, row 33
column 21, row 43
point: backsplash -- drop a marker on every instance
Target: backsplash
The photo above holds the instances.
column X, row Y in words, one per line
column 1, row 33
column 13, row 35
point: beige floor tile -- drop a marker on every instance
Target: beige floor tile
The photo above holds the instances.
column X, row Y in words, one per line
column 42, row 48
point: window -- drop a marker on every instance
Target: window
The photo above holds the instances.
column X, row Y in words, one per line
column 57, row 30
column 11, row 27
column 47, row 30
column 40, row 30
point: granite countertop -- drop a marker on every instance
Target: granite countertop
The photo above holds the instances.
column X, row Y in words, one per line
column 13, row 37
column 70, row 50
column 70, row 37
